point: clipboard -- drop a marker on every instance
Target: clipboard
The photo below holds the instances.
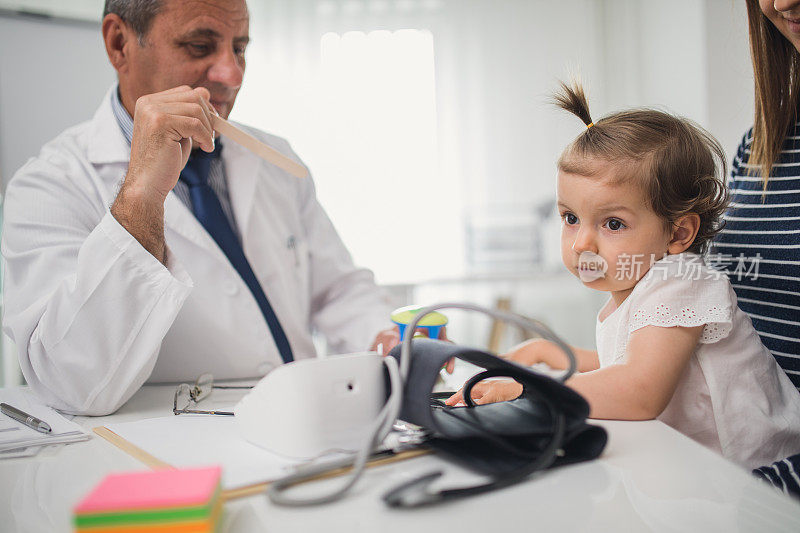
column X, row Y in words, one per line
column 155, row 463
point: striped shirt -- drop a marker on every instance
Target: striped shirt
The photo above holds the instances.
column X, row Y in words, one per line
column 762, row 232
column 216, row 178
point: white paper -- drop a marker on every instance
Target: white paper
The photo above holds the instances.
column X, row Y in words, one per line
column 28, row 451
column 15, row 435
column 205, row 440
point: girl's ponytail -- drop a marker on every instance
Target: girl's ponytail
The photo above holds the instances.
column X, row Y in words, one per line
column 573, row 99
column 679, row 165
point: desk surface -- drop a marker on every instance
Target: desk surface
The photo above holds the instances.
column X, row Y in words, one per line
column 650, row 478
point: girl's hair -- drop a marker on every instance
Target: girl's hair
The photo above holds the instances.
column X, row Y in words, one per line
column 776, row 73
column 679, row 165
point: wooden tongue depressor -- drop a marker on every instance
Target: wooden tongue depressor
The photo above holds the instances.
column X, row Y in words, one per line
column 257, row 147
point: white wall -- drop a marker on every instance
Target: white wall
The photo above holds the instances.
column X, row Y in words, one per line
column 688, row 56
column 729, row 80
column 52, row 76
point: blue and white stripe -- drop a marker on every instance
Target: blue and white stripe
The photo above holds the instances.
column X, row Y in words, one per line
column 783, row 475
column 766, row 224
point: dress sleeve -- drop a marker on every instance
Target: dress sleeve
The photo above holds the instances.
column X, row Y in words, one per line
column 681, row 295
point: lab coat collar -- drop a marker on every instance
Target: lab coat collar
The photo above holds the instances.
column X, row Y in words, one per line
column 106, row 143
column 242, row 172
column 181, row 220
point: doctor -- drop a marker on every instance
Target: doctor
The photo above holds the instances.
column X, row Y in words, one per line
column 223, row 264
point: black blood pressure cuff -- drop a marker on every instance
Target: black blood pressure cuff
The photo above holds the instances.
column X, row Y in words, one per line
column 507, row 441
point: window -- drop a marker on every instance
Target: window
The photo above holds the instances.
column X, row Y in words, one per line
column 379, row 176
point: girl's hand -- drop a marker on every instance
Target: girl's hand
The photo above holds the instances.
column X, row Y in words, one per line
column 535, row 351
column 489, row 392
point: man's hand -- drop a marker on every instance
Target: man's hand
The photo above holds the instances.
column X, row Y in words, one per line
column 389, row 338
column 386, row 340
column 165, row 127
column 489, row 392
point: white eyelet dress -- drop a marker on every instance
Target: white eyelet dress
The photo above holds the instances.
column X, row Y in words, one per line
column 732, row 397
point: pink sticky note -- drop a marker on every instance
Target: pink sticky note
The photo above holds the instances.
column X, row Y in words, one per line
column 152, row 489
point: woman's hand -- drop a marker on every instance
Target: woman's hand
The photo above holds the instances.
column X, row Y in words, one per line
column 489, row 392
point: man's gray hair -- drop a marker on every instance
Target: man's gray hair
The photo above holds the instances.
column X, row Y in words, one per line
column 138, row 14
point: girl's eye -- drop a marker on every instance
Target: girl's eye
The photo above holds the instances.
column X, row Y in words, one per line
column 569, row 218
column 615, row 224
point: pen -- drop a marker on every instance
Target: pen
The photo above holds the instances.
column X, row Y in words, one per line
column 25, row 418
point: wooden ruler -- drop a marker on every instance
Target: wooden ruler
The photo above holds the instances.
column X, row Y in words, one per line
column 257, row 147
column 248, row 490
column 134, row 451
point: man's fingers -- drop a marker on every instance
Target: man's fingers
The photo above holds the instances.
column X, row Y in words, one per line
column 178, row 94
column 388, row 339
column 191, row 128
column 154, row 103
column 186, row 149
column 188, row 109
column 178, row 89
column 205, row 101
column 203, row 93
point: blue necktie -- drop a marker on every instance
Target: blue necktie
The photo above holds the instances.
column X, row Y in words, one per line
column 208, row 211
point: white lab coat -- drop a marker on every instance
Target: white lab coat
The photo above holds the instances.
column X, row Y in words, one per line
column 94, row 315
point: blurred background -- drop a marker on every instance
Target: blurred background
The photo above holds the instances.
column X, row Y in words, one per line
column 426, row 123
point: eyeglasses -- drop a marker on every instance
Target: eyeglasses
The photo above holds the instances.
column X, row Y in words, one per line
column 187, row 396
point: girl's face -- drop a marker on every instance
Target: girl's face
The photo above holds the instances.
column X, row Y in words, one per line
column 785, row 15
column 610, row 237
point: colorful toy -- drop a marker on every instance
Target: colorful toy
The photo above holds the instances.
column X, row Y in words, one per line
column 432, row 323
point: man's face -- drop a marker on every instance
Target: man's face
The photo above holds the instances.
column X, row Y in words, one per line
column 199, row 43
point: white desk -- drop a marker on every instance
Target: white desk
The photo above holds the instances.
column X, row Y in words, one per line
column 650, row 478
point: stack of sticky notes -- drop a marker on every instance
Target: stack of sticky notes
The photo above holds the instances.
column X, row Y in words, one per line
column 180, row 501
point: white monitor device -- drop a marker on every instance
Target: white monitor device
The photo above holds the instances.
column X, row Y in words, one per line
column 309, row 407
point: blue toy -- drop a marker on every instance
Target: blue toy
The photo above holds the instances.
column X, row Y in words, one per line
column 432, row 323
